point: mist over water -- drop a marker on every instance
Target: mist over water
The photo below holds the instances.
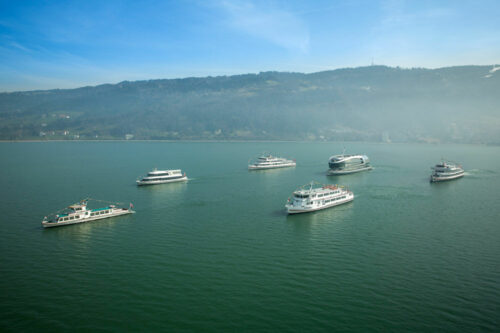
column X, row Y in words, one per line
column 218, row 253
column 373, row 104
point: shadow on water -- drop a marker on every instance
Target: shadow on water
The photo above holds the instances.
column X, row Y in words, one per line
column 84, row 231
column 271, row 171
column 161, row 188
column 309, row 221
column 445, row 184
column 355, row 175
column 279, row 213
column 321, row 173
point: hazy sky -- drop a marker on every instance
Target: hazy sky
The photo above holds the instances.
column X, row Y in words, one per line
column 65, row 44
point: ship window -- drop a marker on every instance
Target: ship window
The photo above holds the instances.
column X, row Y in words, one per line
column 107, row 211
column 72, row 217
column 77, row 217
column 91, row 214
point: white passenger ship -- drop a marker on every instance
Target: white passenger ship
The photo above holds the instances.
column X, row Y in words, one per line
column 345, row 164
column 78, row 213
column 271, row 162
column 162, row 176
column 310, row 198
column 446, row 171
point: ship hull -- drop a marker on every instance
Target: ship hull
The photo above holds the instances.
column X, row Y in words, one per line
column 47, row 224
column 256, row 167
column 156, row 182
column 332, row 172
column 298, row 210
column 435, row 179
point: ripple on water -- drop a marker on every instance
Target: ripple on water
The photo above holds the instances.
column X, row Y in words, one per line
column 218, row 253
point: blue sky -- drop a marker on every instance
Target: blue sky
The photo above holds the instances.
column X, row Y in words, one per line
column 66, row 44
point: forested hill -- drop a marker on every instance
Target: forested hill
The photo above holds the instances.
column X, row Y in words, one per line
column 376, row 103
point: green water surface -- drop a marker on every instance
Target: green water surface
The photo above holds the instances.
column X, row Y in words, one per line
column 219, row 254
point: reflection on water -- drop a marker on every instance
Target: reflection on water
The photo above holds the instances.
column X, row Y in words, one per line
column 349, row 176
column 164, row 188
column 223, row 241
column 315, row 222
column 164, row 191
column 279, row 212
column 270, row 171
column 84, row 231
column 160, row 199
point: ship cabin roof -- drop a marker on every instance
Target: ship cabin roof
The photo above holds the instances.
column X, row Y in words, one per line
column 339, row 157
column 325, row 189
column 301, row 194
column 162, row 172
column 444, row 165
column 99, row 209
column 343, row 157
column 78, row 207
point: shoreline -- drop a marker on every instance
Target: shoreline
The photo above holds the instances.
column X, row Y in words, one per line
column 255, row 141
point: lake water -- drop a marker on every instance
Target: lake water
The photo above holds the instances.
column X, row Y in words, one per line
column 219, row 254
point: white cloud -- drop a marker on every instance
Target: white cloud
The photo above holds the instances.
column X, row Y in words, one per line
column 272, row 24
column 20, row 47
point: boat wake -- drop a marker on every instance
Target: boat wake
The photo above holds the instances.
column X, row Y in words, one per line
column 479, row 173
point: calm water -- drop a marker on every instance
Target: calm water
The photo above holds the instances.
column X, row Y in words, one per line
column 218, row 254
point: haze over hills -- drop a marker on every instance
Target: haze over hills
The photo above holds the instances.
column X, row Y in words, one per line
column 375, row 103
